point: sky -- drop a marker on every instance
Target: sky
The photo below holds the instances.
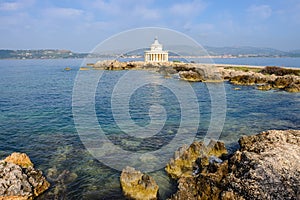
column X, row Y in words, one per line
column 80, row 25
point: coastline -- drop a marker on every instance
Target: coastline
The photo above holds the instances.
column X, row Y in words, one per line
column 261, row 111
column 262, row 77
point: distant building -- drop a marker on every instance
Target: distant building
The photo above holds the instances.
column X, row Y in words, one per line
column 156, row 53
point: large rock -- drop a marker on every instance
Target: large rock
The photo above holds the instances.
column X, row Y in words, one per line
column 182, row 165
column 288, row 82
column 191, row 76
column 19, row 180
column 139, row 186
column 19, row 159
column 198, row 73
column 265, row 167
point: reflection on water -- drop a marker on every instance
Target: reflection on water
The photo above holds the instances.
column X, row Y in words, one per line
column 36, row 118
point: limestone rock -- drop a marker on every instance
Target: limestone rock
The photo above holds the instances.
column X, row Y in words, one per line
column 265, row 167
column 290, row 83
column 20, row 181
column 183, row 162
column 136, row 185
column 264, row 87
column 191, row 76
column 19, row 159
column 293, row 87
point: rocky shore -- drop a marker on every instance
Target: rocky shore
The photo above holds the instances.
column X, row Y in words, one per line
column 266, row 166
column 19, row 180
column 262, row 78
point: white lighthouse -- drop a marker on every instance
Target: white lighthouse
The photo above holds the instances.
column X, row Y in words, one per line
column 156, row 53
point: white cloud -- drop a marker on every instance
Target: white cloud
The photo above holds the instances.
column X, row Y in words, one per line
column 111, row 7
column 16, row 5
column 146, row 13
column 10, row 6
column 68, row 13
column 260, row 11
column 187, row 9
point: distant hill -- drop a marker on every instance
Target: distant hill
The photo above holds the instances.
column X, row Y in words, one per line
column 294, row 53
column 243, row 51
column 39, row 54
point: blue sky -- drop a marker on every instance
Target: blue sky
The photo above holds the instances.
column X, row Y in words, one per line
column 80, row 25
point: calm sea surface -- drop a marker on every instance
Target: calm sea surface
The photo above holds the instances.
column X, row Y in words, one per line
column 36, row 117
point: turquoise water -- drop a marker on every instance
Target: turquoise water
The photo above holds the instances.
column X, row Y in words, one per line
column 36, row 117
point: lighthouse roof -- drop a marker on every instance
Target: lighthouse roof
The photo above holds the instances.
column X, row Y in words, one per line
column 156, row 45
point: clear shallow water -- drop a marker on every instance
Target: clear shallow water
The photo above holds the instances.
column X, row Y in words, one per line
column 36, row 118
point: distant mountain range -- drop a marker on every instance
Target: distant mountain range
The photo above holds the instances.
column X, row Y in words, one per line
column 39, row 54
column 243, row 51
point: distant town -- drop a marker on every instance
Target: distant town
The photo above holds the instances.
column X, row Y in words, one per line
column 214, row 52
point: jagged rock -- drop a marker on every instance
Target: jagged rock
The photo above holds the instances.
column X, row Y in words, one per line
column 293, row 87
column 243, row 80
column 20, row 181
column 290, row 82
column 19, row 159
column 191, row 76
column 265, row 167
column 284, row 79
column 264, row 87
column 182, row 165
column 136, row 185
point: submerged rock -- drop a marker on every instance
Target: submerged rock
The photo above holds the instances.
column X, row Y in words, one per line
column 136, row 185
column 265, row 167
column 19, row 180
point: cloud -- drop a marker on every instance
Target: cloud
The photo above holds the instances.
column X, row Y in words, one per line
column 10, row 6
column 67, row 13
column 146, row 13
column 108, row 7
column 260, row 11
column 189, row 8
column 16, row 5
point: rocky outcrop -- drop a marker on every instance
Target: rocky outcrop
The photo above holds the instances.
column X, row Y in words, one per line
column 187, row 71
column 191, row 76
column 265, row 167
column 263, row 78
column 139, row 186
column 263, row 81
column 19, row 159
column 110, row 65
column 19, row 180
column 183, row 163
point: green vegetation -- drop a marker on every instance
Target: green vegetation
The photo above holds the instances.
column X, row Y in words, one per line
column 278, row 71
column 244, row 69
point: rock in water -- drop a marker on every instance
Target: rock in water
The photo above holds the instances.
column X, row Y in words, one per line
column 267, row 166
column 19, row 159
column 19, row 180
column 136, row 185
column 185, row 157
column 191, row 76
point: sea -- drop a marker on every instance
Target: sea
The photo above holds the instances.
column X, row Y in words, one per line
column 37, row 117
